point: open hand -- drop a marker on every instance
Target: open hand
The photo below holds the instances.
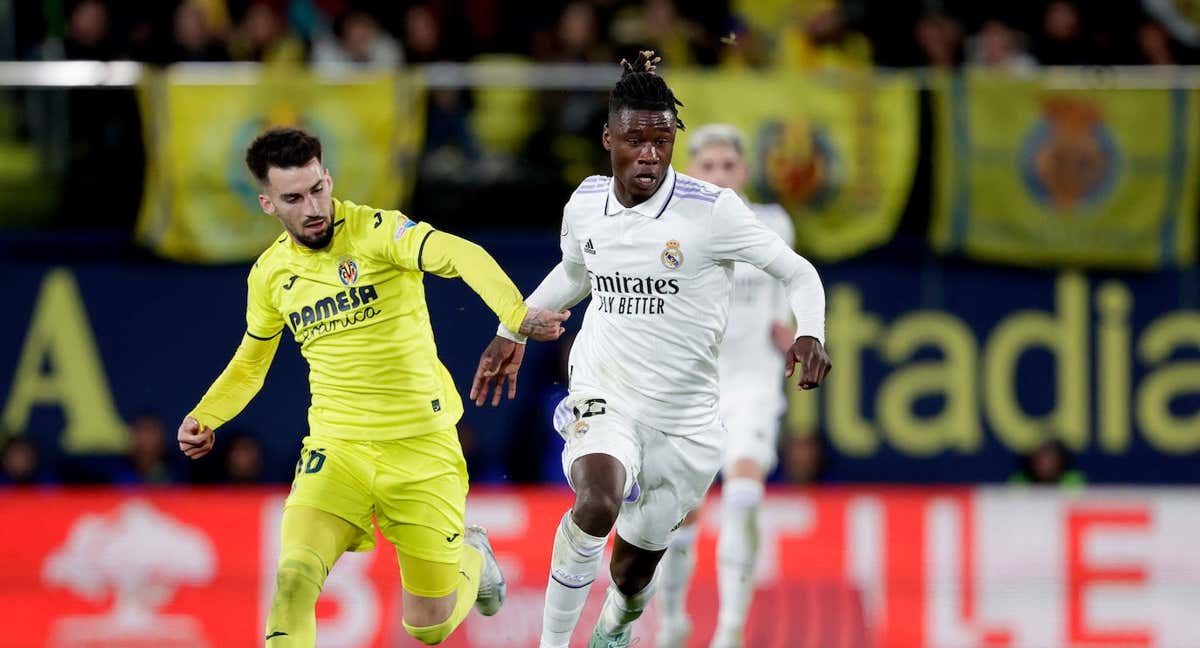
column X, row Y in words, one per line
column 499, row 364
column 814, row 362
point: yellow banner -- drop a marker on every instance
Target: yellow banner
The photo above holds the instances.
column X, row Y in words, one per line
column 201, row 203
column 1046, row 171
column 838, row 153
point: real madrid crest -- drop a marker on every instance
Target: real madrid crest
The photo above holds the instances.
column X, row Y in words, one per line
column 580, row 428
column 672, row 256
column 348, row 272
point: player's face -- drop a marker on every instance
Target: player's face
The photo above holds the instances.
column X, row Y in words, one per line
column 302, row 199
column 640, row 143
column 721, row 165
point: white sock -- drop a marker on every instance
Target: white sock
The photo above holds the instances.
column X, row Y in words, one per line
column 573, row 567
column 621, row 611
column 675, row 573
column 737, row 552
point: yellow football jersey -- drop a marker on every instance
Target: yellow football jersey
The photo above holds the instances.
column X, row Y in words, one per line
column 357, row 309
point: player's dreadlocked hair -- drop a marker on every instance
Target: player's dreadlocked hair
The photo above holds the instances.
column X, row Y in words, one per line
column 281, row 147
column 640, row 88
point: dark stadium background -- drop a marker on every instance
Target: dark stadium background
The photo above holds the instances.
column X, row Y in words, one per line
column 110, row 338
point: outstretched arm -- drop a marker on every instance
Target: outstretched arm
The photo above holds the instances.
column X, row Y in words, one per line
column 228, row 395
column 566, row 285
column 446, row 255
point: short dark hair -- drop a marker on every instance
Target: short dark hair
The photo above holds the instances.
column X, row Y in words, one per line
column 639, row 88
column 283, row 148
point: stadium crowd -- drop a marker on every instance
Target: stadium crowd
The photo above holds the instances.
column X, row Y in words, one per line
column 787, row 34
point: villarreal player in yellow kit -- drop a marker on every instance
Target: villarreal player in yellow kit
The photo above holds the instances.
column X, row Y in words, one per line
column 346, row 281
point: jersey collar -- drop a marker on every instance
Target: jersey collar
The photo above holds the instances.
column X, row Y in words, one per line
column 652, row 208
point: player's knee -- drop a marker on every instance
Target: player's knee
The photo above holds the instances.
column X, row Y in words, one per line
column 742, row 494
column 596, row 510
column 631, row 583
column 300, row 575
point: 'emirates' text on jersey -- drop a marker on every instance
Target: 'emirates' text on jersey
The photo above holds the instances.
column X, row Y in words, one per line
column 661, row 274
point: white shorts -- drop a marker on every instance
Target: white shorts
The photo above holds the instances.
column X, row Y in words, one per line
column 752, row 423
column 672, row 472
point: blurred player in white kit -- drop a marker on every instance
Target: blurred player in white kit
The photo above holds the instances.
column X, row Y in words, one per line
column 656, row 251
column 758, row 335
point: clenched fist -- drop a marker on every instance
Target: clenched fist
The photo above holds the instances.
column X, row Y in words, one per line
column 195, row 441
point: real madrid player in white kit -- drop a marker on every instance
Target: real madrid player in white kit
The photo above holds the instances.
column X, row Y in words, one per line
column 655, row 249
column 752, row 402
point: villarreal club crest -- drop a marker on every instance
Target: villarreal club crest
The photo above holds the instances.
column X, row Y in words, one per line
column 348, row 272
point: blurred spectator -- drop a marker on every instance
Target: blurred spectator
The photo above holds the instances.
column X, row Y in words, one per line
column 1155, row 44
column 816, row 36
column 1000, row 47
column 940, row 39
column 1049, row 464
column 237, row 459
column 357, row 38
column 575, row 38
column 803, row 458
column 669, row 35
column 1158, row 44
column 659, row 26
column 18, row 462
column 262, row 36
column 89, row 32
column 1179, row 23
column 449, row 142
column 422, row 35
column 147, row 461
column 195, row 39
column 243, row 460
column 1063, row 40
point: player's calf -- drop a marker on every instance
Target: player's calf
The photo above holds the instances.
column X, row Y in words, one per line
column 737, row 553
column 573, row 566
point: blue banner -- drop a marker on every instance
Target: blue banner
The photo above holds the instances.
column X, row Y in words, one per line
column 942, row 372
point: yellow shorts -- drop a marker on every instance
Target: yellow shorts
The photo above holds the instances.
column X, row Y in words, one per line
column 414, row 488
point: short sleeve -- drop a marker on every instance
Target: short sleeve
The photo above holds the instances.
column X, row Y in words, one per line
column 740, row 236
column 263, row 320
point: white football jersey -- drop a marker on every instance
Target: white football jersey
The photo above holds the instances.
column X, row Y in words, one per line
column 750, row 361
column 661, row 274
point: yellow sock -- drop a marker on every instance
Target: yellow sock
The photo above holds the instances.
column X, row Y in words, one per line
column 470, row 565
